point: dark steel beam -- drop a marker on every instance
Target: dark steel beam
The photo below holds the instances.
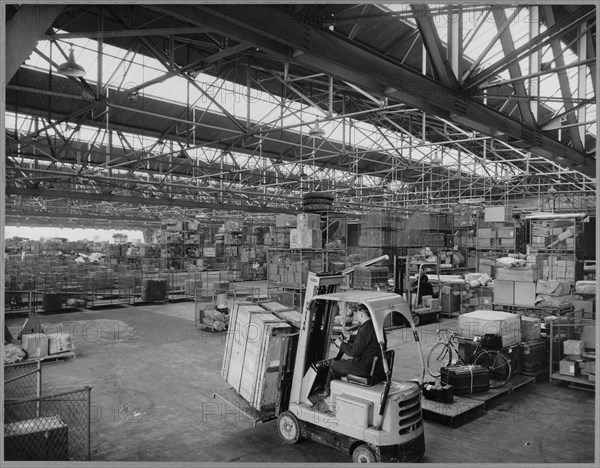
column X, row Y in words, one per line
column 433, row 44
column 563, row 80
column 24, row 30
column 508, row 46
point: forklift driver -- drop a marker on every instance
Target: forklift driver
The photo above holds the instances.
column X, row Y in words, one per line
column 362, row 348
column 422, row 285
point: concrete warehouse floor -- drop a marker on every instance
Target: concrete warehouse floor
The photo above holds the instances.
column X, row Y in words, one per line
column 154, row 374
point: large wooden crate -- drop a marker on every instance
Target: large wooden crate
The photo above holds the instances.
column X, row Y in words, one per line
column 252, row 354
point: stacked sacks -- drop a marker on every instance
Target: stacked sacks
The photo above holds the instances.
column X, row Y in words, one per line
column 215, row 320
column 553, row 294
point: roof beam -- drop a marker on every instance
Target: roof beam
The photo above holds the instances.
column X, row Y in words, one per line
column 24, row 30
column 508, row 46
column 143, row 200
column 433, row 44
column 553, row 32
column 274, row 31
column 563, row 80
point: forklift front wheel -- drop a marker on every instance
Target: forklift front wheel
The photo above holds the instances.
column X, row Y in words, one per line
column 363, row 454
column 288, row 427
column 416, row 319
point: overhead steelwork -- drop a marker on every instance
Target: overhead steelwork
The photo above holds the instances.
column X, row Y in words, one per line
column 204, row 107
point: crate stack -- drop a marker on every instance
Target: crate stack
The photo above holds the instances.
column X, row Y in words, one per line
column 370, row 277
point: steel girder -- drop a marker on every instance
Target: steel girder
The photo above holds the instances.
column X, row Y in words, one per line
column 431, row 186
column 273, row 30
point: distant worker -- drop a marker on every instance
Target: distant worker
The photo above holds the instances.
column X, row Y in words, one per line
column 362, row 348
column 422, row 286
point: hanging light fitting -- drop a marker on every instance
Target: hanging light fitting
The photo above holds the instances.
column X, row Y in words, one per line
column 316, row 131
column 70, row 67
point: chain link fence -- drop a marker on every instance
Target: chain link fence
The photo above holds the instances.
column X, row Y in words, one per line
column 49, row 428
column 22, row 380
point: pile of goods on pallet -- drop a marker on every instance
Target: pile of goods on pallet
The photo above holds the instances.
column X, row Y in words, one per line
column 215, row 318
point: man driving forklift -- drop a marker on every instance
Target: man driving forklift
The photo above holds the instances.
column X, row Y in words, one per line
column 361, row 347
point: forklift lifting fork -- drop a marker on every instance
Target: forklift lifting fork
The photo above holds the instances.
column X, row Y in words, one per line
column 372, row 418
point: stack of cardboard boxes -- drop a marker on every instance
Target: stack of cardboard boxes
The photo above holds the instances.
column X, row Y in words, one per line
column 307, row 234
column 575, row 362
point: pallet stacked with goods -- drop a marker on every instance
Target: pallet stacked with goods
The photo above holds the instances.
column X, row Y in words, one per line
column 498, row 235
column 464, row 222
column 301, row 243
column 171, row 244
column 370, row 278
column 559, row 243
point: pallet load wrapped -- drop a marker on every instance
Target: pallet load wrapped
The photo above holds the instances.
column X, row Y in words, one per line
column 555, row 294
column 475, row 324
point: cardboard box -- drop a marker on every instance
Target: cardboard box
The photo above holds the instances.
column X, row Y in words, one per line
column 498, row 214
column 285, row 220
column 35, row 345
column 504, row 292
column 301, row 238
column 524, row 293
column 573, row 347
column 483, row 242
column 308, row 221
column 481, row 322
column 506, row 233
column 568, row 367
column 587, row 367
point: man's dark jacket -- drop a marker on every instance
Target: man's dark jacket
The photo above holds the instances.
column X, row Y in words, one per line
column 363, row 347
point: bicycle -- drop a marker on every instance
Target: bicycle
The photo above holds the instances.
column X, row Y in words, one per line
column 495, row 360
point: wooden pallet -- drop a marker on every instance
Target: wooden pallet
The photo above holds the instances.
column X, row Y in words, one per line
column 53, row 357
column 465, row 407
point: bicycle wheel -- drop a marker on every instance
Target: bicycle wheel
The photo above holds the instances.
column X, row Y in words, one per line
column 498, row 364
column 439, row 356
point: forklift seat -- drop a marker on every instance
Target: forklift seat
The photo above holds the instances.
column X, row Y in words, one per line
column 377, row 371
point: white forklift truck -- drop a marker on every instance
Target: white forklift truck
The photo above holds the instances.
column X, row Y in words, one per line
column 373, row 418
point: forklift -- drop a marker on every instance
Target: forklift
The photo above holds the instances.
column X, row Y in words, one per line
column 371, row 418
column 411, row 291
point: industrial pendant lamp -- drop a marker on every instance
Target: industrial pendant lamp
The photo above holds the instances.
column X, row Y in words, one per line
column 70, row 67
column 316, row 131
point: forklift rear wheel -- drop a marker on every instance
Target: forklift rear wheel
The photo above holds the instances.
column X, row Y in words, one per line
column 288, row 427
column 363, row 454
column 416, row 319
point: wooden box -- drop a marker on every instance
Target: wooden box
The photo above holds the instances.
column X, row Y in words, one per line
column 60, row 342
column 252, row 354
column 41, row 439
